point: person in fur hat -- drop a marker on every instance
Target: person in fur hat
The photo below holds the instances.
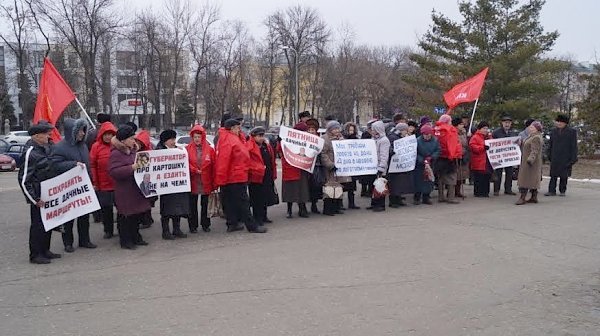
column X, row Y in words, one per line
column 562, row 154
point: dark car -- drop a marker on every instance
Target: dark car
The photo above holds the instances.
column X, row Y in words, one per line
column 16, row 152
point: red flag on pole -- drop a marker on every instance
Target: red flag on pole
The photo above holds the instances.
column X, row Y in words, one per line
column 467, row 91
column 54, row 96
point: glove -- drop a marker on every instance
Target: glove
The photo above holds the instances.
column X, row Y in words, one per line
column 486, row 147
column 428, row 159
column 379, row 174
column 530, row 163
column 334, row 169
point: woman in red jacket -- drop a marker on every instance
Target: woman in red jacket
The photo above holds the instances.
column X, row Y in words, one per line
column 263, row 172
column 295, row 187
column 479, row 164
column 201, row 157
column 103, row 183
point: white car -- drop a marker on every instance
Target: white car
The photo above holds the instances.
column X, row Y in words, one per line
column 17, row 137
column 183, row 141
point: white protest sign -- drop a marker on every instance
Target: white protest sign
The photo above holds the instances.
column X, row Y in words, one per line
column 405, row 155
column 163, row 171
column 504, row 152
column 66, row 197
column 300, row 149
column 354, row 157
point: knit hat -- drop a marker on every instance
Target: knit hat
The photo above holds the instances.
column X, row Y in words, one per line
column 166, row 135
column 445, row 118
column 456, row 121
column 301, row 127
column 257, row 131
column 538, row 126
column 124, row 132
column 333, row 125
column 424, row 120
column 229, row 123
column 562, row 118
column 102, row 118
column 412, row 123
column 41, row 127
column 426, row 129
column 482, row 124
column 401, row 127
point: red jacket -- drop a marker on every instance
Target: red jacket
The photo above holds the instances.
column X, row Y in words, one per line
column 204, row 171
column 450, row 145
column 288, row 172
column 257, row 165
column 99, row 159
column 478, row 153
column 233, row 160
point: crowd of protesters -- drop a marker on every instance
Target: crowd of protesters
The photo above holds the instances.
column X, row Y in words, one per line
column 243, row 169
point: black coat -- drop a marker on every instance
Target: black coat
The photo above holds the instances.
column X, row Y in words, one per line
column 174, row 205
column 36, row 167
column 562, row 151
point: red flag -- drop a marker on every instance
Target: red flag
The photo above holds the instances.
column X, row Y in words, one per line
column 467, row 91
column 54, row 96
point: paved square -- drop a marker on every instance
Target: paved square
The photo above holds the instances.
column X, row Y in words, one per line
column 484, row 267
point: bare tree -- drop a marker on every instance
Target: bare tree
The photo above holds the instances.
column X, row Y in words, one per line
column 201, row 39
column 82, row 24
column 302, row 29
column 18, row 15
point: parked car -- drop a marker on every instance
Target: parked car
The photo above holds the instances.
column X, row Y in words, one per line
column 16, row 152
column 17, row 137
column 183, row 141
column 3, row 146
column 7, row 163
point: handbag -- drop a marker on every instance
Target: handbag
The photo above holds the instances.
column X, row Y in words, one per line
column 273, row 197
column 515, row 173
column 333, row 190
column 214, row 205
column 380, row 188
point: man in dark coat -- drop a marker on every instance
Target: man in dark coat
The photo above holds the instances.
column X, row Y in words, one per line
column 505, row 131
column 69, row 152
column 562, row 153
column 36, row 168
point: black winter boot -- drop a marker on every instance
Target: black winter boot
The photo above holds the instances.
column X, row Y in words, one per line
column 166, row 233
column 205, row 222
column 289, row 210
column 302, row 211
column 177, row 228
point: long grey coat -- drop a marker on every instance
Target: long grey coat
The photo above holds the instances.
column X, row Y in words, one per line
column 530, row 173
column 328, row 160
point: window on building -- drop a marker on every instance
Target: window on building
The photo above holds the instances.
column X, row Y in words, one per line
column 125, row 60
column 126, row 82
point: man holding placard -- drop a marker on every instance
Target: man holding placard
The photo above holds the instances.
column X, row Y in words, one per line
column 505, row 131
column 37, row 168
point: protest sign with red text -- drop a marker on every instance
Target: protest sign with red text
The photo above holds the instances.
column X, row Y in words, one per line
column 300, row 149
column 67, row 197
column 161, row 172
column 504, row 152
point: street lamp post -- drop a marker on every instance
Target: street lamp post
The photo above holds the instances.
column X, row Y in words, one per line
column 297, row 87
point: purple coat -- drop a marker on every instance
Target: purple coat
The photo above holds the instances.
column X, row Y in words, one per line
column 128, row 197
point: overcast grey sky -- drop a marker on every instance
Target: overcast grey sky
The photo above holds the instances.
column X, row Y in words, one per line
column 400, row 22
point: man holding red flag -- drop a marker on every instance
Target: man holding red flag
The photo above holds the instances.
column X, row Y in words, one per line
column 54, row 96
